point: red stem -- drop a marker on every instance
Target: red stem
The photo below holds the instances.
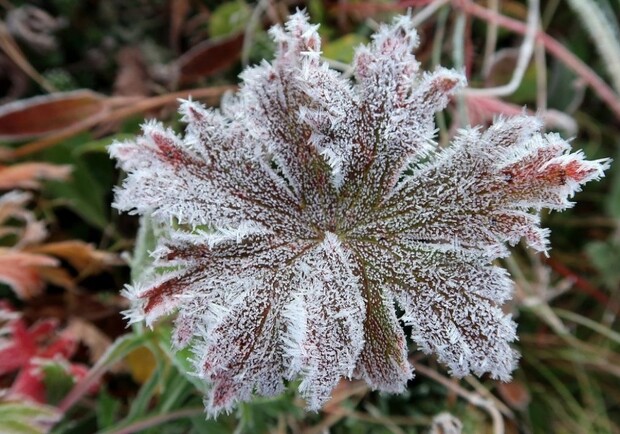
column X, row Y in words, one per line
column 81, row 387
column 583, row 285
column 554, row 48
column 469, row 49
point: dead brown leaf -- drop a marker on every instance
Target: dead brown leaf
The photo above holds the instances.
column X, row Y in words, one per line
column 208, row 58
column 46, row 114
column 82, row 256
column 117, row 109
column 132, row 77
column 59, row 277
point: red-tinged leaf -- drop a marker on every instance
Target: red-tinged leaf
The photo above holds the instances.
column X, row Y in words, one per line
column 43, row 379
column 208, row 58
column 28, row 349
column 25, row 343
column 29, row 175
column 49, row 113
column 64, row 346
column 14, row 353
column 29, row 384
column 39, row 331
column 21, row 271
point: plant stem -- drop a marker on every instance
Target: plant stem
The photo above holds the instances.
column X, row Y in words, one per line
column 604, row 91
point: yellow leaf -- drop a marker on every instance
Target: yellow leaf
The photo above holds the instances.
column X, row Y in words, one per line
column 141, row 363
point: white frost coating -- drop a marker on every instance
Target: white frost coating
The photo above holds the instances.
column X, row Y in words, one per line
column 307, row 205
column 329, row 335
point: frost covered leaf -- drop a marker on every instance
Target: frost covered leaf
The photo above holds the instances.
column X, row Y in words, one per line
column 304, row 208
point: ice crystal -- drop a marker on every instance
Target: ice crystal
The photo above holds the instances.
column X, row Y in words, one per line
column 309, row 206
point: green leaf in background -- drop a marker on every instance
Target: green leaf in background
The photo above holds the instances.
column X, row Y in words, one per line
column 502, row 72
column 26, row 417
column 121, row 347
column 139, row 407
column 560, row 95
column 262, row 47
column 229, row 17
column 57, row 379
column 343, row 49
column 181, row 359
column 108, row 409
column 316, row 8
column 527, row 91
column 91, row 180
column 261, row 413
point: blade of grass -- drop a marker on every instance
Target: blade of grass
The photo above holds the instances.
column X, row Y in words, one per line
column 602, row 35
column 586, row 322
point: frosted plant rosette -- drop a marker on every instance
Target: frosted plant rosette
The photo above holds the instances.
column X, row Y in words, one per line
column 327, row 202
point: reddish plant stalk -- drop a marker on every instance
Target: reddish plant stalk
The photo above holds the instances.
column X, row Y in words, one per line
column 604, row 91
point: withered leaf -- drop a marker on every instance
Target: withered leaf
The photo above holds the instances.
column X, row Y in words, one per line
column 46, row 114
column 82, row 256
column 208, row 58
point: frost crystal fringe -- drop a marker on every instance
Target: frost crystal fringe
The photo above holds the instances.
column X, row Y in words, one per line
column 327, row 202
